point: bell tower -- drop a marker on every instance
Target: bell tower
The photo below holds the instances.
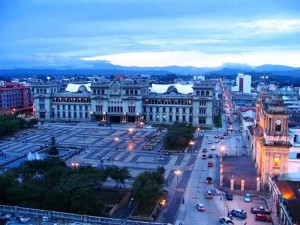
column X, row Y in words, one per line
column 271, row 145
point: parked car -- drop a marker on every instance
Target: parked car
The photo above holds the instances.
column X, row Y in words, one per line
column 210, row 164
column 239, row 213
column 263, row 217
column 204, row 156
column 200, row 206
column 229, row 196
column 225, row 220
column 261, row 210
column 225, row 134
column 209, row 195
column 247, row 197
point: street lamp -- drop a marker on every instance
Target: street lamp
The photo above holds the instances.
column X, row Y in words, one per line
column 191, row 145
column 116, row 141
column 177, row 174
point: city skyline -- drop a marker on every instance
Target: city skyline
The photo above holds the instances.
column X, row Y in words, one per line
column 207, row 33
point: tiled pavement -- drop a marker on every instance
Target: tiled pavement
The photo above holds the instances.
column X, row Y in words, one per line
column 100, row 142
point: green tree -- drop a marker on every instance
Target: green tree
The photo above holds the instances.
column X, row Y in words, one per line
column 118, row 174
column 147, row 187
column 179, row 135
column 7, row 181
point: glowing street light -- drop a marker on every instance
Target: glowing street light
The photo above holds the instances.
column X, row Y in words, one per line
column 177, row 174
column 116, row 141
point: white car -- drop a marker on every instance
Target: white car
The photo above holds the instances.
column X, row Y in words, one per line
column 200, row 207
column 213, row 147
column 225, row 220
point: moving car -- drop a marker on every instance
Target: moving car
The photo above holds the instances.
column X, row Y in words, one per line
column 221, row 137
column 217, row 136
column 263, row 217
column 225, row 220
column 210, row 164
column 209, row 180
column 209, row 195
column 217, row 141
column 204, row 150
column 210, row 155
column 261, row 210
column 209, row 142
column 247, row 197
column 204, row 156
column 200, row 206
column 229, row 196
column 213, row 147
column 239, row 213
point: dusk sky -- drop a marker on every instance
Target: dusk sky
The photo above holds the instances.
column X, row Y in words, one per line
column 201, row 33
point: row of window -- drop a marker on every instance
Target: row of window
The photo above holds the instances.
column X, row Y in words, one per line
column 172, row 118
column 127, row 92
column 77, row 100
column 167, row 102
column 70, row 107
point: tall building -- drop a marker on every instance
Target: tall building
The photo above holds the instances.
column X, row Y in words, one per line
column 127, row 101
column 271, row 145
column 243, row 84
column 15, row 98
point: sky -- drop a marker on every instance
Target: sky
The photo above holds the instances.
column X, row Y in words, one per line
column 148, row 33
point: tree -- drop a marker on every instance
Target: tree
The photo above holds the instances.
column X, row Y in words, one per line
column 147, row 187
column 118, row 174
column 179, row 135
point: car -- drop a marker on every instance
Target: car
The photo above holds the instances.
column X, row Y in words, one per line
column 221, row 137
column 229, row 196
column 240, row 213
column 139, row 126
column 225, row 220
column 200, row 206
column 210, row 156
column 247, row 197
column 213, row 147
column 209, row 195
column 263, row 217
column 210, row 164
column 217, row 141
column 209, row 180
column 225, row 134
column 204, row 150
column 209, row 142
column 204, row 156
column 217, row 136
column 261, row 210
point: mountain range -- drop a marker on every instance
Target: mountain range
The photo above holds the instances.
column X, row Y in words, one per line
column 105, row 68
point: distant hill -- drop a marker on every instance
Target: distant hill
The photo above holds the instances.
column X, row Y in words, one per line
column 110, row 69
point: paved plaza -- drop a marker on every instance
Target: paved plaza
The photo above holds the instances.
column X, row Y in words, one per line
column 117, row 145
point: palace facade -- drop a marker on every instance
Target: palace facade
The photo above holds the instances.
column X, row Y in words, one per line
column 127, row 101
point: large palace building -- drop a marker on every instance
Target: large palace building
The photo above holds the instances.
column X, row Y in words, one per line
column 271, row 145
column 127, row 101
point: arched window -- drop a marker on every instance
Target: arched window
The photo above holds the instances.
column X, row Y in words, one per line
column 202, row 92
column 207, row 93
column 197, row 92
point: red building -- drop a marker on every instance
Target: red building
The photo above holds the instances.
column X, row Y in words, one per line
column 15, row 98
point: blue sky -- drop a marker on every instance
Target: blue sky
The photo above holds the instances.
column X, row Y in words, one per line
column 202, row 33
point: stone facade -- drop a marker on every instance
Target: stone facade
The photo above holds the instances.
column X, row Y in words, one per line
column 127, row 101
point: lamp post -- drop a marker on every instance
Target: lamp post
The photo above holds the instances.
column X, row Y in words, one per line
column 222, row 150
column 116, row 141
column 177, row 174
column 191, row 144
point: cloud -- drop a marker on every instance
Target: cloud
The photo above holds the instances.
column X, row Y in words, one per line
column 198, row 59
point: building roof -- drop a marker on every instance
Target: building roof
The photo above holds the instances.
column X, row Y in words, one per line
column 165, row 88
column 78, row 88
column 290, row 192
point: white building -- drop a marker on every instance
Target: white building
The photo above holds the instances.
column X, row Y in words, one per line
column 243, row 84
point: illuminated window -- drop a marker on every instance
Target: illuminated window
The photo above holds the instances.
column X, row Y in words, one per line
column 276, row 162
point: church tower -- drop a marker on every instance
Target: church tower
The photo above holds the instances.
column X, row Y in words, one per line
column 271, row 146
